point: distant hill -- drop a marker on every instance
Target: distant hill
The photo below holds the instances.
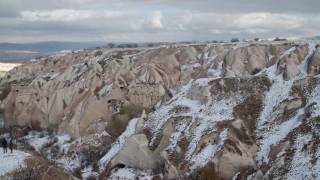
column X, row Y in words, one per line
column 313, row 38
column 19, row 52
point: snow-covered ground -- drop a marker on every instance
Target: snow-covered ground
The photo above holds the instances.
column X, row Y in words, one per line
column 129, row 173
column 117, row 146
column 7, row 66
column 11, row 161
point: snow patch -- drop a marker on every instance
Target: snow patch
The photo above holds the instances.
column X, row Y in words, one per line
column 117, row 146
column 201, row 159
column 278, row 133
column 301, row 167
column 303, row 67
column 129, row 173
column 12, row 161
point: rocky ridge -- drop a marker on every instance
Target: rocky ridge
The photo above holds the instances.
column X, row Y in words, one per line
column 242, row 110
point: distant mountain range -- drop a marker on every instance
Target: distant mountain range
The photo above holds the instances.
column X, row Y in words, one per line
column 19, row 52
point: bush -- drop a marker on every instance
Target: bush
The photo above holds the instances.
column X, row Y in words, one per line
column 280, row 39
column 120, row 121
column 235, row 40
column 36, row 125
column 34, row 170
column 206, row 173
column 111, row 45
column 132, row 111
column 5, row 91
column 98, row 53
column 117, row 125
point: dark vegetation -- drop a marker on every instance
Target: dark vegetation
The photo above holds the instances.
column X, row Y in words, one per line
column 37, row 168
column 120, row 120
column 206, row 173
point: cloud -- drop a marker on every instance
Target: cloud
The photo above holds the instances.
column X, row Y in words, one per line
column 55, row 15
column 268, row 21
column 157, row 20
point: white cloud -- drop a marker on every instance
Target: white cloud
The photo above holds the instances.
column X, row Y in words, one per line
column 262, row 22
column 144, row 20
column 156, row 21
column 64, row 15
column 55, row 15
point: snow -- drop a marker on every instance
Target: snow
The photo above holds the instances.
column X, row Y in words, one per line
column 69, row 163
column 271, row 133
column 303, row 67
column 278, row 92
column 287, row 52
column 201, row 159
column 301, row 167
column 128, row 174
column 204, row 115
column 196, row 65
column 37, row 143
column 38, row 140
column 88, row 172
column 117, row 146
column 278, row 133
column 315, row 97
column 215, row 73
column 11, row 161
column 105, row 90
column 218, row 111
column 240, row 45
column 270, row 56
column 123, row 174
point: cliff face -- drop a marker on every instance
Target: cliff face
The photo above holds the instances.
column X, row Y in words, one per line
column 247, row 109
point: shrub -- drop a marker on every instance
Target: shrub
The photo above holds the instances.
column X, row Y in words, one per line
column 120, row 121
column 111, row 45
column 5, row 91
column 206, row 173
column 132, row 111
column 36, row 125
column 34, row 170
column 280, row 39
column 77, row 172
column 117, row 125
column 98, row 53
column 235, row 40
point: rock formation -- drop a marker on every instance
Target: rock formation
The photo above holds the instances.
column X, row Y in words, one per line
column 243, row 110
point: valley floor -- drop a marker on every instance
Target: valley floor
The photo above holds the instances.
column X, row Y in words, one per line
column 4, row 67
column 11, row 161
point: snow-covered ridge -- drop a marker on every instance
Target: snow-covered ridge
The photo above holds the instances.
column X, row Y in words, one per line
column 236, row 107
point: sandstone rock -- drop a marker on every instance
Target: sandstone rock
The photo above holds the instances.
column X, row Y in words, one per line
column 314, row 63
column 136, row 153
column 195, row 94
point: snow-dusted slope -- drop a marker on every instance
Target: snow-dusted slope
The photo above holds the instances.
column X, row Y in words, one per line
column 11, row 161
column 248, row 110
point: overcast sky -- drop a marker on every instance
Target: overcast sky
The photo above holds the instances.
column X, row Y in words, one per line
column 155, row 20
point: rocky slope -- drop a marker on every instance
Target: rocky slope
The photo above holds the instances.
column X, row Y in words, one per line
column 244, row 110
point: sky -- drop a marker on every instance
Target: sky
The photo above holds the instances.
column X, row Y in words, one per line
column 156, row 20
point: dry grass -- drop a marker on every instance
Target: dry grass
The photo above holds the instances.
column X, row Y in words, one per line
column 206, row 173
column 36, row 168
